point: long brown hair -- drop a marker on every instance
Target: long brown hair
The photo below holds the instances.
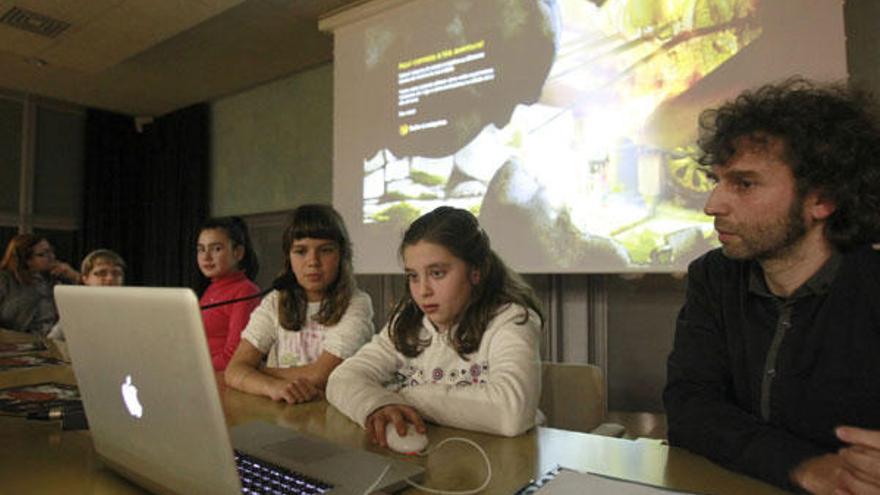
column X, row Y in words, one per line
column 316, row 222
column 458, row 231
column 18, row 251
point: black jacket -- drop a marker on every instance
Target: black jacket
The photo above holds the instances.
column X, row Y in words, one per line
column 757, row 383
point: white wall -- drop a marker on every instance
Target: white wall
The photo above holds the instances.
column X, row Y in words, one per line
column 272, row 145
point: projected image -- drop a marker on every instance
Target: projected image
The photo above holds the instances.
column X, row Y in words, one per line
column 566, row 126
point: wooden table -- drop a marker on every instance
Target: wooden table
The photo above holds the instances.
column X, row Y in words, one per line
column 37, row 457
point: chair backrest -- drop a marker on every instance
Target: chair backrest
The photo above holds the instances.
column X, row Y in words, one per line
column 572, row 396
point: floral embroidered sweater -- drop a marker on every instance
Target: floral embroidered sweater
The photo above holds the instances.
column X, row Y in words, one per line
column 495, row 390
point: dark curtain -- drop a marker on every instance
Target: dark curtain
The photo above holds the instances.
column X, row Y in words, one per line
column 147, row 192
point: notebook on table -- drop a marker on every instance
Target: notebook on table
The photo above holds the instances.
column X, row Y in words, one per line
column 145, row 376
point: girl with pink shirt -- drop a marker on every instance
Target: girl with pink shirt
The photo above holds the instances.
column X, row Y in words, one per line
column 228, row 264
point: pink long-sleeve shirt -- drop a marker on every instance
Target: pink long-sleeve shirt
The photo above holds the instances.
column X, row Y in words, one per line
column 223, row 324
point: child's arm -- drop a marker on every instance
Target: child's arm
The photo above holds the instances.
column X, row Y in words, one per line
column 508, row 402
column 316, row 373
column 356, row 387
column 243, row 373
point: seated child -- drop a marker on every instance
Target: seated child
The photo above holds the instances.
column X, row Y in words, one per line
column 460, row 349
column 227, row 260
column 317, row 319
column 101, row 267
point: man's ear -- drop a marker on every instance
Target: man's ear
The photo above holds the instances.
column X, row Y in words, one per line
column 238, row 253
column 818, row 206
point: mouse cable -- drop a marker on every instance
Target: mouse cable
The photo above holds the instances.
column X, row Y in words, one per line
column 372, row 487
column 437, row 491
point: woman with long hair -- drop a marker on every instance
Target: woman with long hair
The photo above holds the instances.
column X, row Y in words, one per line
column 28, row 273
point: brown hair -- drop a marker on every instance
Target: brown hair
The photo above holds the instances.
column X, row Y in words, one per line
column 316, row 222
column 18, row 251
column 236, row 230
column 458, row 231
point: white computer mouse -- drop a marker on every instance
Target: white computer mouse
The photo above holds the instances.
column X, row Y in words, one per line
column 411, row 443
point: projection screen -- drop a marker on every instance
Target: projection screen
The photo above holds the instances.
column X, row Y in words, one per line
column 566, row 126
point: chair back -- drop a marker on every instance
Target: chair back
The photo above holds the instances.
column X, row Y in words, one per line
column 572, row 396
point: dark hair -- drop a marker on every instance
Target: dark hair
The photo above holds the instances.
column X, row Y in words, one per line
column 316, row 222
column 19, row 249
column 458, row 231
column 237, row 231
column 831, row 141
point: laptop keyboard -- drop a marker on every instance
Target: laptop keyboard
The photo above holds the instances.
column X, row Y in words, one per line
column 259, row 477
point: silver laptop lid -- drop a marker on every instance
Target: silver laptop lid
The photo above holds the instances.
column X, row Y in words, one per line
column 144, row 372
column 148, row 387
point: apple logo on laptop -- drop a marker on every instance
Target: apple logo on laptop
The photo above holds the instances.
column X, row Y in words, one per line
column 130, row 397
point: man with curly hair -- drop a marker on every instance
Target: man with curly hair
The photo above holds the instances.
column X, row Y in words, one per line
column 774, row 371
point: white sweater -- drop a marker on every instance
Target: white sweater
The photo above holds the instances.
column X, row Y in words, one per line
column 496, row 390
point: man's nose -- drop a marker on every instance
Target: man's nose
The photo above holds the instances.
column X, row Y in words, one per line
column 716, row 204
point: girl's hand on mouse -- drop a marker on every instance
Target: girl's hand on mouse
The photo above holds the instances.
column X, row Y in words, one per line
column 397, row 414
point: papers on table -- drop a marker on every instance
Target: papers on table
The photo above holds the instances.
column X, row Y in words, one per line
column 568, row 482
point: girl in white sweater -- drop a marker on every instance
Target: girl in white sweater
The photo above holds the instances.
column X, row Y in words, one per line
column 460, row 349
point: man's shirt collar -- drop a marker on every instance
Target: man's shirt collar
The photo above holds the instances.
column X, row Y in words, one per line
column 819, row 283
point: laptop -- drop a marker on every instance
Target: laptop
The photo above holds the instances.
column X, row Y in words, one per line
column 144, row 372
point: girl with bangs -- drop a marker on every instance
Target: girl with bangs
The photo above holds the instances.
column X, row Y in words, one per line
column 314, row 319
column 460, row 349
